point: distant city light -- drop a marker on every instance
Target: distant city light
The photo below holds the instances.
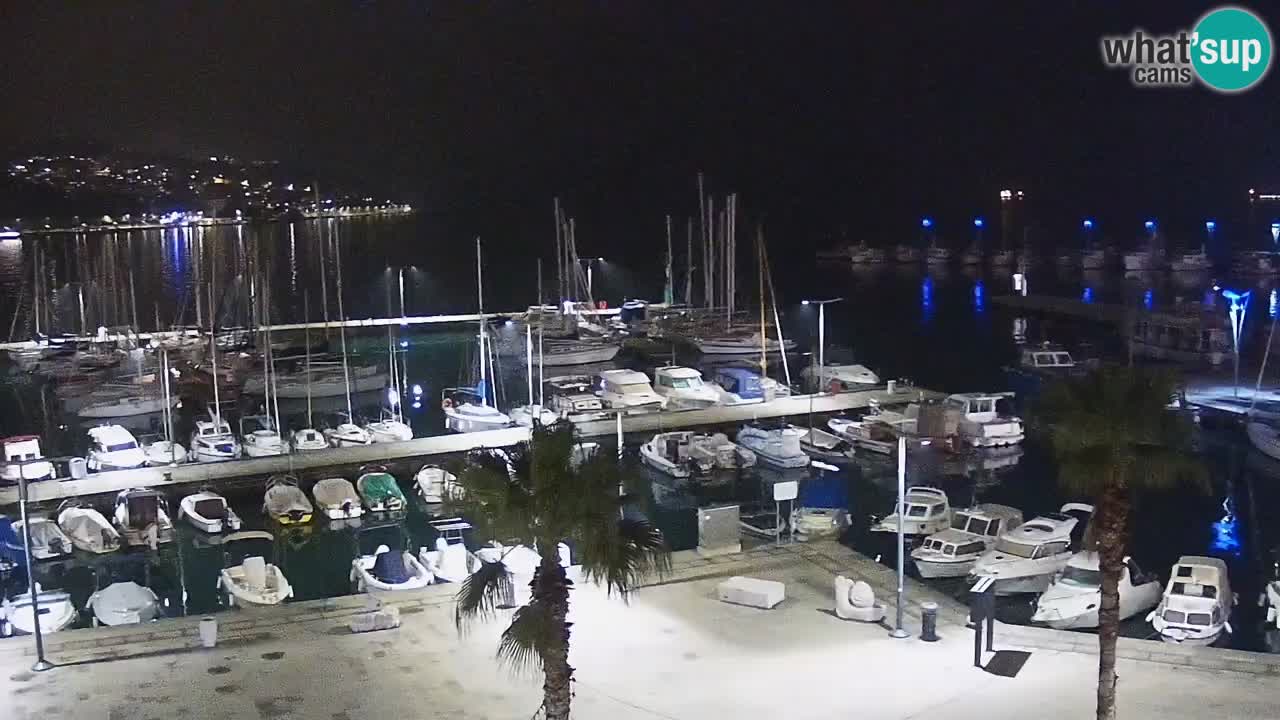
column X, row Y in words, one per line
column 1088, row 224
column 804, row 302
column 1006, row 194
column 1148, row 299
column 977, row 222
column 1087, row 295
column 926, row 223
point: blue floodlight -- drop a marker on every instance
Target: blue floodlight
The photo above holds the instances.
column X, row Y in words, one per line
column 926, row 223
column 978, row 223
column 1087, row 295
column 1148, row 299
column 1088, row 224
column 1149, row 225
column 1210, row 225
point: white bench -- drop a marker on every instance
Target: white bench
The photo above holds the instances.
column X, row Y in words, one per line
column 752, row 592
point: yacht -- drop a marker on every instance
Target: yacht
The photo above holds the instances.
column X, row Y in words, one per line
column 142, row 517
column 841, row 378
column 111, row 447
column 24, row 449
column 683, row 388
column 629, row 391
column 260, row 437
column 927, row 511
column 208, row 512
column 470, row 412
column 1196, row 605
column 1072, row 601
column 740, row 386
column 740, row 344
column 953, row 551
column 346, row 433
column 1026, row 558
column 777, row 445
column 324, row 380
column 980, row 422
column 308, row 439
column 212, row 441
column 571, row 398
column 125, row 406
column 681, row 453
column 559, row 353
column 390, row 428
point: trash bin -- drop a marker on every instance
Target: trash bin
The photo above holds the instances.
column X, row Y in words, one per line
column 208, row 632
column 78, row 469
column 929, row 621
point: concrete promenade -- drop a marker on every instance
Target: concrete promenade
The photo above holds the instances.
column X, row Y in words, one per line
column 674, row 652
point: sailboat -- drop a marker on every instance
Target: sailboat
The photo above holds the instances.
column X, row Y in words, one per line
column 308, row 438
column 212, row 440
column 391, row 427
column 261, row 433
column 346, row 433
column 166, row 451
column 472, row 412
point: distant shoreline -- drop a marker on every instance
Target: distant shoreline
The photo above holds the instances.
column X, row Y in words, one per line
column 10, row 234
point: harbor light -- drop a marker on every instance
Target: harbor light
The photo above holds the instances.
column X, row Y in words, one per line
column 1087, row 295
column 926, row 223
column 1236, row 311
column 978, row 223
column 1149, row 225
column 1148, row 299
column 1087, row 224
column 1275, row 231
column 1210, row 225
column 393, row 398
column 1271, row 304
column 417, row 390
column 804, row 302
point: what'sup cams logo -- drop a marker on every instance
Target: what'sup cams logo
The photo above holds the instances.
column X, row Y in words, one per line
column 1228, row 51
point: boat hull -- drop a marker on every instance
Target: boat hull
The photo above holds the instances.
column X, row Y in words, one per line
column 930, row 569
column 585, row 356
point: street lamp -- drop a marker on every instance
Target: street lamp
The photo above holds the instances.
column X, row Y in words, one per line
column 589, row 264
column 1236, row 311
column 822, row 337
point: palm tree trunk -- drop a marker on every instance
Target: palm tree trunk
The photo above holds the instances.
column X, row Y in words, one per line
column 1113, row 515
column 552, row 588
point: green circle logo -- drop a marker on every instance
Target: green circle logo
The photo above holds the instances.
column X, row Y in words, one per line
column 1231, row 49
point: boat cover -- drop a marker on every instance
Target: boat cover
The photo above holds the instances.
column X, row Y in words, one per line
column 10, row 544
column 286, row 499
column 389, row 567
column 123, row 603
column 45, row 535
column 335, row 493
column 89, row 527
column 380, row 487
column 211, row 508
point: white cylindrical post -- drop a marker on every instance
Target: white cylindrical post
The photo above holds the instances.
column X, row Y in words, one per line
column 898, row 631
column 528, row 359
column 619, row 416
column 822, row 347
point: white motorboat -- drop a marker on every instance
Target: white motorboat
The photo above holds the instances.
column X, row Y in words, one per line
column 1094, row 259
column 48, row 541
column 389, row 570
column 936, row 255
column 828, row 447
column 285, row 502
column 212, row 441
column 1265, row 436
column 528, row 415
column 1196, row 605
column 683, row 388
column 255, row 582
column 88, row 529
column 559, row 353
column 466, row 415
column 740, row 344
column 111, row 447
column 347, row 434
column 629, row 391
column 1025, row 559
column 308, row 439
column 164, row 452
column 142, row 517
column 379, row 490
column 260, row 438
column 864, row 254
column 450, row 560
column 126, row 406
column 927, row 511
column 388, row 429
column 1072, row 601
column 336, row 497
column 868, row 434
column 774, row 445
column 811, row 523
column 840, row 378
column 57, row 612
column 682, row 453
column 980, row 422
column 208, row 512
column 24, row 452
column 577, row 407
column 953, row 551
column 124, row 603
column 433, row 484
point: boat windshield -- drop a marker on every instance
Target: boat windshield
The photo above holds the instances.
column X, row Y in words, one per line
column 1175, row 616
column 634, row 389
column 1082, row 576
column 1009, row 547
column 960, row 520
column 917, row 511
column 685, row 383
column 130, row 445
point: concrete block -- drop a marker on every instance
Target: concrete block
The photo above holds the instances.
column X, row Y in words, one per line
column 752, row 592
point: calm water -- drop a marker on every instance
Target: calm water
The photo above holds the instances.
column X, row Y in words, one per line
column 941, row 329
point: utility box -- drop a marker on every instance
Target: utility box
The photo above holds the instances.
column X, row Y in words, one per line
column 718, row 530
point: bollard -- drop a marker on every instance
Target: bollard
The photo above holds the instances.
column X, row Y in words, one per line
column 208, row 632
column 929, row 621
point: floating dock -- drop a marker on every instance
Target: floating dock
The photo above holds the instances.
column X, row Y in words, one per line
column 197, row 474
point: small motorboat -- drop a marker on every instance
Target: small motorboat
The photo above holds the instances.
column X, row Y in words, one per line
column 260, row 438
column 562, row 353
column 527, row 415
column 1025, row 559
column 868, row 434
column 285, row 502
column 389, row 570
column 88, row 529
column 112, row 447
column 164, row 452
column 347, row 434
column 212, row 441
column 434, row 484
column 142, row 517
column 683, row 388
column 828, row 447
column 465, row 416
column 450, row 560
column 812, row 523
column 48, row 541
column 1072, row 601
column 24, row 452
column 629, row 391
column 927, row 511
column 337, row 499
column 840, row 378
column 208, row 512
column 980, row 421
column 682, row 453
column 308, row 439
column 379, row 490
column 57, row 612
column 124, row 603
column 1195, row 608
column 953, row 551
column 774, row 445
column 125, row 406
column 255, row 581
column 389, row 429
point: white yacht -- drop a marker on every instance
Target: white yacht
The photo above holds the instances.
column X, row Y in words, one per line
column 390, row 428
column 979, row 421
column 683, row 388
column 24, row 449
column 162, row 452
column 208, row 512
column 681, row 453
column 629, row 391
column 471, row 413
column 774, row 445
column 1025, row 559
column 212, row 441
column 111, row 447
column 559, row 353
column 259, row 436
column 346, row 433
column 308, row 439
column 953, row 551
column 1072, row 601
column 1196, row 606
column 841, row 378
column 740, row 344
column 927, row 511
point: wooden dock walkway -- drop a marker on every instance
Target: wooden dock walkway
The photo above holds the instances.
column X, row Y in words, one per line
column 198, row 474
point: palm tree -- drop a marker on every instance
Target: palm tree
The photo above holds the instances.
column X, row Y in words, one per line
column 1113, row 436
column 539, row 495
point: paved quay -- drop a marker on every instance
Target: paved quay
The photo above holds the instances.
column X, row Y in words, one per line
column 674, row 652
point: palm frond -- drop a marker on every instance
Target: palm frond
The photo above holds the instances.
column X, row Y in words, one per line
column 530, row 634
column 481, row 593
column 621, row 553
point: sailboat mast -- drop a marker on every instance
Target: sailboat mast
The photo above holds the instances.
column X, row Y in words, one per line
column 484, row 397
column 35, row 284
column 342, row 329
column 306, row 341
column 528, row 357
column 541, row 398
column 764, row 340
column 213, row 353
column 668, row 293
column 133, row 298
column 688, row 262
column 559, row 260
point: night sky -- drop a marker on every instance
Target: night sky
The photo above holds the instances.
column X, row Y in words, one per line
column 855, row 115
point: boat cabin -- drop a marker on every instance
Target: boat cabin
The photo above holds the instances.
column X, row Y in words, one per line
column 986, row 520
column 112, row 438
column 1046, row 358
column 979, row 407
column 1042, row 537
column 627, row 388
column 743, row 383
column 674, row 377
column 1198, row 599
column 24, row 449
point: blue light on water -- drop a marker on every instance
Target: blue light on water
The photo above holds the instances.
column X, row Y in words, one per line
column 979, row 297
column 404, row 343
column 1210, row 225
column 926, row 223
column 1226, row 533
column 1149, row 225
column 1087, row 295
column 1271, row 304
column 978, row 222
column 1148, row 299
column 926, row 291
column 1087, row 224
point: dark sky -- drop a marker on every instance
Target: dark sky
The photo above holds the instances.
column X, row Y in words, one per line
column 853, row 113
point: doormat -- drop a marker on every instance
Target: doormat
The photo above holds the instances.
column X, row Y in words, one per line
column 1007, row 663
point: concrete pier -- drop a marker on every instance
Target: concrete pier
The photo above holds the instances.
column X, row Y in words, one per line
column 197, row 474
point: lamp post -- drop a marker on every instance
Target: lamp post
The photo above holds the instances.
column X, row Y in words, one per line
column 401, row 276
column 1239, row 305
column 898, row 631
column 822, row 337
column 40, row 664
column 589, row 264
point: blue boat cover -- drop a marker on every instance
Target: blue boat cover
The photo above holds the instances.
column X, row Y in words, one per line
column 389, row 568
column 10, row 544
column 740, row 381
